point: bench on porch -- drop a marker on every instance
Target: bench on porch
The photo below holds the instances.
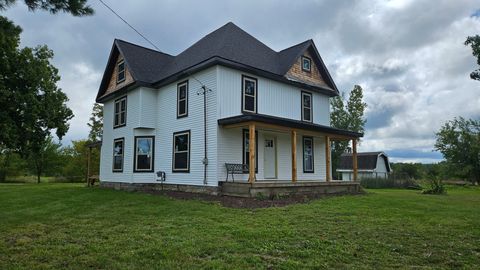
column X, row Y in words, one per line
column 233, row 168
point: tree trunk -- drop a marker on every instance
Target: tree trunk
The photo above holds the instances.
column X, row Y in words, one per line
column 39, row 170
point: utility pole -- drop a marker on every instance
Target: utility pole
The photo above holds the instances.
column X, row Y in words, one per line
column 203, row 91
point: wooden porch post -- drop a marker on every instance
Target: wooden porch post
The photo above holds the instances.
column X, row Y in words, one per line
column 354, row 156
column 294, row 155
column 327, row 158
column 252, row 154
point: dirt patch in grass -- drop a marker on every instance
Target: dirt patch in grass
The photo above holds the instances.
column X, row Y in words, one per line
column 251, row 203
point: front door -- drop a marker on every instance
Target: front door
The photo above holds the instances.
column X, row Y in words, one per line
column 270, row 158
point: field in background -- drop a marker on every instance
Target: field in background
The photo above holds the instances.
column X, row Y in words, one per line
column 57, row 226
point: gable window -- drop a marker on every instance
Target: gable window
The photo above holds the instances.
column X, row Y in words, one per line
column 182, row 99
column 181, row 151
column 144, row 154
column 249, row 94
column 120, row 112
column 246, row 149
column 306, row 107
column 308, row 154
column 306, row 64
column 118, row 145
column 121, row 71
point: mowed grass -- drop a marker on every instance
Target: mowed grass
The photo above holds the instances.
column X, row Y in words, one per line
column 58, row 226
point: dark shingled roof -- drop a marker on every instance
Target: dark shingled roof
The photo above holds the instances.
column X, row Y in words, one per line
column 365, row 161
column 228, row 44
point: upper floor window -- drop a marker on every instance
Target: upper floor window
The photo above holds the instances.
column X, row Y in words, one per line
column 181, row 151
column 121, row 71
column 144, row 153
column 308, row 155
column 249, row 94
column 118, row 145
column 182, row 99
column 120, row 115
column 306, row 64
column 306, row 107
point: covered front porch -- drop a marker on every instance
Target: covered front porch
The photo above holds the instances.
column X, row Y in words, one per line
column 299, row 162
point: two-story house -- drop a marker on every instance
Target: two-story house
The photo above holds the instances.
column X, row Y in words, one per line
column 227, row 99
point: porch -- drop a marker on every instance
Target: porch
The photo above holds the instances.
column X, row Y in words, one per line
column 270, row 189
column 298, row 169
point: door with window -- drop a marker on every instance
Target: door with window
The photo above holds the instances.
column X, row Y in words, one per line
column 270, row 158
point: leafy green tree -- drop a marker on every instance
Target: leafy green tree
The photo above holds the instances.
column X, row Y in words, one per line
column 32, row 105
column 459, row 142
column 96, row 123
column 349, row 116
column 76, row 156
column 47, row 159
column 74, row 7
column 474, row 43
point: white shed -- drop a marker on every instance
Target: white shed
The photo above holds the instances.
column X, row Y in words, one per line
column 370, row 165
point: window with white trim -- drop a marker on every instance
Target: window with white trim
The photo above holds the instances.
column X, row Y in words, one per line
column 144, row 153
column 182, row 99
column 121, row 71
column 249, row 94
column 181, row 151
column 307, row 107
column 308, row 155
column 118, row 146
column 120, row 112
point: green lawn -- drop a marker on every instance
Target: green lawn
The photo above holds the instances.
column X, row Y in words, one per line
column 61, row 226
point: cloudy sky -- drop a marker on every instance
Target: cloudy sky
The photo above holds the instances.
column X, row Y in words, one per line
column 407, row 55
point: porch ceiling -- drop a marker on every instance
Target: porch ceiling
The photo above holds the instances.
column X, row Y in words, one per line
column 245, row 119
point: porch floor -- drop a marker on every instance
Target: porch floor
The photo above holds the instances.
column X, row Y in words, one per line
column 266, row 188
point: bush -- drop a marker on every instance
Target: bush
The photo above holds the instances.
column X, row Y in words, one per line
column 436, row 187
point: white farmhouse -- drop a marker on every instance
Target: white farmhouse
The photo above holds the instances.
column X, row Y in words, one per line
column 175, row 121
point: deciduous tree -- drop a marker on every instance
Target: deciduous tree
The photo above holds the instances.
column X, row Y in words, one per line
column 459, row 142
column 474, row 42
column 74, row 7
column 96, row 123
column 349, row 116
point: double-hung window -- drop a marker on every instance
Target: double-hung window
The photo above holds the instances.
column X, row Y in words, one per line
column 181, row 151
column 144, row 153
column 307, row 107
column 118, row 146
column 246, row 149
column 120, row 114
column 121, row 71
column 249, row 94
column 182, row 99
column 308, row 154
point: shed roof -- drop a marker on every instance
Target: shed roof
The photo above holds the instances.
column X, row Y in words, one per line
column 365, row 161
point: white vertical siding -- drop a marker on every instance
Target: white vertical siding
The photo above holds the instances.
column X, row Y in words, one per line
column 153, row 112
column 274, row 98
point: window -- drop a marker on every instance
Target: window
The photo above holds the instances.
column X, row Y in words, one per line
column 121, row 71
column 181, row 151
column 246, row 149
column 182, row 99
column 118, row 145
column 120, row 116
column 306, row 107
column 306, row 64
column 249, row 94
column 144, row 153
column 308, row 155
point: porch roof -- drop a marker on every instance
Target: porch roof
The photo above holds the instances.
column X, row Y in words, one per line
column 285, row 122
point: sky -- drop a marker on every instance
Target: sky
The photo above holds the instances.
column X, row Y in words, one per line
column 407, row 55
